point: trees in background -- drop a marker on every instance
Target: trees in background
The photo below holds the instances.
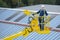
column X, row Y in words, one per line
column 11, row 3
column 48, row 1
column 14, row 3
column 25, row 2
column 57, row 2
column 19, row 3
column 3, row 4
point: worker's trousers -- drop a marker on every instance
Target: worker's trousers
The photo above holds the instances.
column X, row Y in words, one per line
column 41, row 23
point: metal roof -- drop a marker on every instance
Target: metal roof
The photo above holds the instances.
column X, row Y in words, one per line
column 17, row 16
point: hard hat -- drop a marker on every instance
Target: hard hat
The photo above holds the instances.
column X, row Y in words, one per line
column 42, row 6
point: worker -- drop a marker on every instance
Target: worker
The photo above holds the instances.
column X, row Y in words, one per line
column 41, row 13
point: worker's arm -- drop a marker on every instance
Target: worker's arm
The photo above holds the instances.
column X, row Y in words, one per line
column 36, row 13
column 46, row 13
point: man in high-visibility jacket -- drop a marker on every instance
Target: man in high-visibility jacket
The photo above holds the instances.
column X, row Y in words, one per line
column 41, row 13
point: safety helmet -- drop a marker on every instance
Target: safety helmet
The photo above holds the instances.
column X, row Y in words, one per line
column 42, row 6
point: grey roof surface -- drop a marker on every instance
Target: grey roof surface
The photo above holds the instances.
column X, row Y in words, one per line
column 51, row 8
column 9, row 29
